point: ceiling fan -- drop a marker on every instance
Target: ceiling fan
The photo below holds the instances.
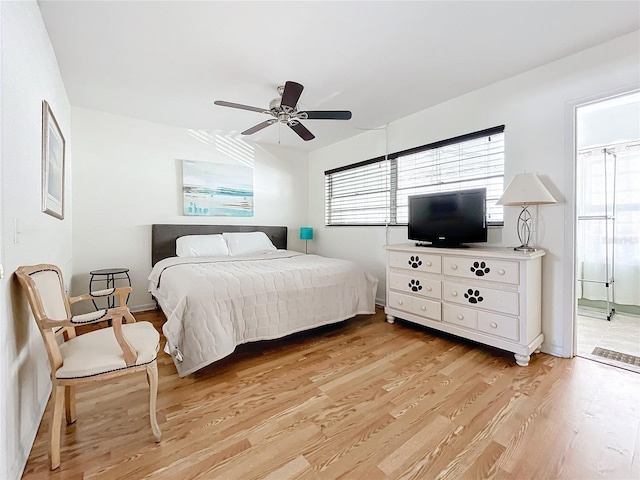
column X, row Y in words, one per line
column 284, row 109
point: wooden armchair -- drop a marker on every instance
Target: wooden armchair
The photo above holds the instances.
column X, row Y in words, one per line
column 105, row 353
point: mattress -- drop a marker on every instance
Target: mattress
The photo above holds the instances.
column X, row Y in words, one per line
column 213, row 304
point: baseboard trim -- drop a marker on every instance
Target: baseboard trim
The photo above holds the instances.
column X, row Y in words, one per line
column 142, row 308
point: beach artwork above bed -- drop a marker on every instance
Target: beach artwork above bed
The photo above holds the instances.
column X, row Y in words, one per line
column 215, row 189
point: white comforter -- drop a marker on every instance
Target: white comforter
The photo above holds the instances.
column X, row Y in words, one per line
column 213, row 304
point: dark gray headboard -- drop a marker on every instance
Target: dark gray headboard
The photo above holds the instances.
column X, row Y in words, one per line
column 163, row 236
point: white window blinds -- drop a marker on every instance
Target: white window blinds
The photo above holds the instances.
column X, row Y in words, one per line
column 376, row 192
column 359, row 195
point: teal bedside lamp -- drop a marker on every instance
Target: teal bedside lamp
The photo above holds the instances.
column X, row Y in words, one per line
column 306, row 234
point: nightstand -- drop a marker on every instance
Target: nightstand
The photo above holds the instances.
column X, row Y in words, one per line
column 109, row 276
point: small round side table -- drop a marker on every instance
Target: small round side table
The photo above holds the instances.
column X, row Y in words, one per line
column 109, row 275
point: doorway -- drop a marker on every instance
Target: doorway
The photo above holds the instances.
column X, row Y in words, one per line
column 608, row 230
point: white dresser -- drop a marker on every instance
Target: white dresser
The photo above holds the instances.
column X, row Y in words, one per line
column 491, row 295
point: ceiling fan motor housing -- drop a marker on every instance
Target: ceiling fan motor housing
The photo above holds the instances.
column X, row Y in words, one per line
column 274, row 105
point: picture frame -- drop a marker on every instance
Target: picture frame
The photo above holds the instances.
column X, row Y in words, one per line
column 53, row 164
column 217, row 189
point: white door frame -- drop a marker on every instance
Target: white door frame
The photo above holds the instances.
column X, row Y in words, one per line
column 571, row 148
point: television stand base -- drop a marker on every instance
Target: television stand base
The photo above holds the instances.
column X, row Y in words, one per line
column 440, row 245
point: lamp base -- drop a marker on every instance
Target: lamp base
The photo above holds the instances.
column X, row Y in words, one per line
column 525, row 248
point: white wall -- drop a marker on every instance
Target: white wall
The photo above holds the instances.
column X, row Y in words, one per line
column 127, row 176
column 29, row 75
column 537, row 109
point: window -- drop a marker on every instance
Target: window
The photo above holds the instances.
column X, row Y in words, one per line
column 376, row 192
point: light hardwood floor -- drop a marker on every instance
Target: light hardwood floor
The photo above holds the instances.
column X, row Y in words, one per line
column 363, row 399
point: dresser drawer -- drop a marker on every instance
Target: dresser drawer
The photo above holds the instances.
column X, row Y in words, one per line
column 465, row 317
column 481, row 297
column 418, row 306
column 416, row 261
column 415, row 283
column 498, row 325
column 427, row 308
column 482, row 269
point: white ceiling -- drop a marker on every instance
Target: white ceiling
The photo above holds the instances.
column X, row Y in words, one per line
column 168, row 61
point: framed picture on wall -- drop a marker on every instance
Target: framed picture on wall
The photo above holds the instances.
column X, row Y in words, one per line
column 213, row 189
column 53, row 150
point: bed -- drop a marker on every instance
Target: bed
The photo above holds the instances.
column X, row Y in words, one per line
column 215, row 302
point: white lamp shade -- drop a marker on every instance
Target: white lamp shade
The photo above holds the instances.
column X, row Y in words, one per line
column 526, row 189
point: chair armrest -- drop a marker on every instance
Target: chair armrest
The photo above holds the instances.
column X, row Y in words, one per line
column 130, row 354
column 121, row 292
column 48, row 323
column 88, row 318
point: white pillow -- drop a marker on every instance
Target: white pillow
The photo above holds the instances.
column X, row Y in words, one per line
column 201, row 246
column 244, row 243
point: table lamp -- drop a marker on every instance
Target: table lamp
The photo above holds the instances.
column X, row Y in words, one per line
column 306, row 234
column 525, row 189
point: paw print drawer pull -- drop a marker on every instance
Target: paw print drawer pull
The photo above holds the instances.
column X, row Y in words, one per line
column 417, row 262
column 481, row 297
column 482, row 269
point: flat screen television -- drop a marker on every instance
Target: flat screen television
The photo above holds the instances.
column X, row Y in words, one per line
column 448, row 219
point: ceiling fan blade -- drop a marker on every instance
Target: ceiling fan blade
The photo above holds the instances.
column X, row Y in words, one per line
column 291, row 94
column 328, row 114
column 259, row 127
column 222, row 103
column 302, row 131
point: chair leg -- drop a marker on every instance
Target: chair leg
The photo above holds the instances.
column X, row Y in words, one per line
column 70, row 403
column 56, row 424
column 152, row 379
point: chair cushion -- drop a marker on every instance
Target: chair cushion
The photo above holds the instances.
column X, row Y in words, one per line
column 98, row 352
